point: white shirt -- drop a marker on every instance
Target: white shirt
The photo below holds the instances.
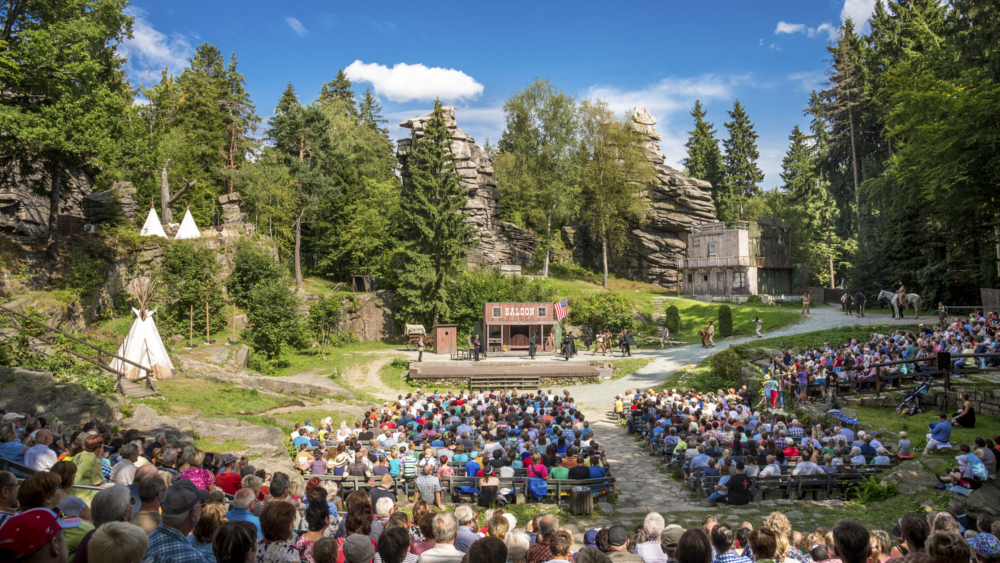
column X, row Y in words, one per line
column 442, row 553
column 40, row 457
column 806, row 468
column 123, row 473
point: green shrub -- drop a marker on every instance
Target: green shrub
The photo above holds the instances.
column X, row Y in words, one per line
column 673, row 319
column 603, row 311
column 273, row 317
column 251, row 266
column 323, row 319
column 726, row 365
column 189, row 278
column 725, row 321
column 870, row 490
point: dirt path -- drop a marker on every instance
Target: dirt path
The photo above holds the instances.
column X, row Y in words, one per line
column 365, row 377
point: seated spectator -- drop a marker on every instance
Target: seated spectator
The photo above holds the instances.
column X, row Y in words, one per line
column 243, row 506
column 235, row 542
column 45, row 540
column 278, row 544
column 940, row 436
column 444, row 551
column 881, row 457
column 428, row 488
column 213, row 516
column 317, row 521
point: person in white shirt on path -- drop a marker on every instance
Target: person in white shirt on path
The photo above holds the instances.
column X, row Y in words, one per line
column 40, row 457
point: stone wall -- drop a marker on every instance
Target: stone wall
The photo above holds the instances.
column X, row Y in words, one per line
column 677, row 202
column 985, row 400
column 500, row 242
column 102, row 206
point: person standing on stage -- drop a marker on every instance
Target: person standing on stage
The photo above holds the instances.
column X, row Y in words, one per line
column 475, row 345
column 420, row 349
column 531, row 344
column 760, row 327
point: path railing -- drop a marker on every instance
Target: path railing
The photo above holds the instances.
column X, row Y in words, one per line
column 943, row 366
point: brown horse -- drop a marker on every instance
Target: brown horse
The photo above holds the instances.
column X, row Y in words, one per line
column 848, row 302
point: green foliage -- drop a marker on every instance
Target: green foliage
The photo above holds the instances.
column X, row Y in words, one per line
column 273, row 317
column 725, row 321
column 726, row 366
column 602, row 311
column 188, row 275
column 83, row 277
column 704, row 159
column 268, row 191
column 870, row 490
column 476, row 288
column 323, row 318
column 434, row 235
column 17, row 352
column 673, row 320
column 615, row 173
column 742, row 175
column 251, row 266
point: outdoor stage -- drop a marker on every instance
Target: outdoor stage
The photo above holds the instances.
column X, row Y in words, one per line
column 508, row 372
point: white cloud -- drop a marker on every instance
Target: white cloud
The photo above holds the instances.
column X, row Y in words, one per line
column 404, row 82
column 668, row 99
column 808, row 80
column 296, row 26
column 149, row 49
column 859, row 11
column 785, row 27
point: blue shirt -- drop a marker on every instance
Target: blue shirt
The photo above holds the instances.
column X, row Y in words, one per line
column 167, row 545
column 301, row 440
column 847, row 433
column 246, row 516
column 941, row 431
column 700, row 460
column 205, row 549
column 12, row 451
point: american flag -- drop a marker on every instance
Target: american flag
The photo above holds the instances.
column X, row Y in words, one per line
column 561, row 310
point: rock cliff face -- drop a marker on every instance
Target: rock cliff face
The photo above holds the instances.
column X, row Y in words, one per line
column 677, row 202
column 500, row 242
column 24, row 210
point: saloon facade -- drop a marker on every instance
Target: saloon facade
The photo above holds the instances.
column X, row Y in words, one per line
column 508, row 327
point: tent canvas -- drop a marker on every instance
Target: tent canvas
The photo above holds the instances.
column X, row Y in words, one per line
column 152, row 226
column 144, row 347
column 188, row 228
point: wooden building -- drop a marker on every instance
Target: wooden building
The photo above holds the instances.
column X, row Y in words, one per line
column 740, row 258
column 508, row 326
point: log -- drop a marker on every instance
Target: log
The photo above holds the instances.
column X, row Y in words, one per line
column 581, row 501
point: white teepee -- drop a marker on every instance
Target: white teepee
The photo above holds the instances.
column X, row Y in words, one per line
column 188, row 229
column 152, row 226
column 144, row 347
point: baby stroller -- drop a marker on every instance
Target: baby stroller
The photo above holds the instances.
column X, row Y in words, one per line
column 911, row 399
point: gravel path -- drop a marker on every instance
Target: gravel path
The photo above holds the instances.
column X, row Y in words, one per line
column 601, row 396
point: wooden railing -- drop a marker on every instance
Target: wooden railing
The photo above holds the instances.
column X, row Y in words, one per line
column 97, row 361
column 943, row 365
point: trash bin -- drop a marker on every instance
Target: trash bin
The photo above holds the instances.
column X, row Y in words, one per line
column 581, row 501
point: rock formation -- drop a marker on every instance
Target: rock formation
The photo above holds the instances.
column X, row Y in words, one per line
column 500, row 242
column 24, row 205
column 677, row 202
column 102, row 206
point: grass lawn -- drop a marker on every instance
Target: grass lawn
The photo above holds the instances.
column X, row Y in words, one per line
column 917, row 429
column 696, row 314
column 315, row 415
column 625, row 367
column 333, row 360
column 815, row 339
column 215, row 400
column 207, row 445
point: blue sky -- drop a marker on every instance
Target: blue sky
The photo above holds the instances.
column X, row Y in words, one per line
column 660, row 55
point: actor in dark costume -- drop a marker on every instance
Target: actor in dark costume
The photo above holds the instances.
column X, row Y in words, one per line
column 627, row 343
column 569, row 346
column 531, row 345
column 476, row 345
column 588, row 338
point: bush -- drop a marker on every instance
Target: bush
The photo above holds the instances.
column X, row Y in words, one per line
column 189, row 273
column 323, row 319
column 251, row 266
column 870, row 490
column 673, row 319
column 273, row 317
column 726, row 365
column 603, row 311
column 725, row 321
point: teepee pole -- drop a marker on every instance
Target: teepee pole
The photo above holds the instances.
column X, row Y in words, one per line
column 191, row 330
column 234, row 322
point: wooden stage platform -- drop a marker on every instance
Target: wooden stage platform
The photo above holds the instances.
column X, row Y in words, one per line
column 507, row 374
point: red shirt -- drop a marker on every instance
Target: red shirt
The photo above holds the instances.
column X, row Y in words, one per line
column 229, row 482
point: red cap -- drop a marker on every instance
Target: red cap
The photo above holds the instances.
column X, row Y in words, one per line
column 32, row 530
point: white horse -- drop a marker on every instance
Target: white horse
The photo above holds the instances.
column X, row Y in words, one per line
column 893, row 298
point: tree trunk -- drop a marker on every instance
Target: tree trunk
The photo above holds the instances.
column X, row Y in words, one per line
column 854, row 165
column 55, row 195
column 829, row 247
column 604, row 256
column 166, row 217
column 548, row 238
column 298, row 247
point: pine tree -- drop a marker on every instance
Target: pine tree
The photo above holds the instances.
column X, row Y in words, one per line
column 742, row 175
column 704, row 159
column 434, row 234
column 338, row 94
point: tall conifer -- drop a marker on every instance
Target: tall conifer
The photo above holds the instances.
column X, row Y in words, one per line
column 434, row 234
column 743, row 176
column 704, row 160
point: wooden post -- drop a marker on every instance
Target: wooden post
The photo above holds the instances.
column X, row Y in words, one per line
column 207, row 339
column 191, row 330
column 234, row 322
column 878, row 382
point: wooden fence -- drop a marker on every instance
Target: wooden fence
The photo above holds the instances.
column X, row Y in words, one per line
column 943, row 366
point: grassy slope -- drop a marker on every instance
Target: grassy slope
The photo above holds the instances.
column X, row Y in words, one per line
column 339, row 358
column 836, row 336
